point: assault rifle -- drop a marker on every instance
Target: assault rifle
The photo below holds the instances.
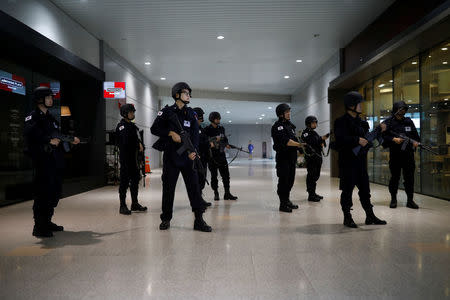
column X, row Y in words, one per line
column 140, row 157
column 187, row 146
column 220, row 145
column 65, row 140
column 370, row 137
column 409, row 142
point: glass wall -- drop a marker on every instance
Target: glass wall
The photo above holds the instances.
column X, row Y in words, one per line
column 435, row 119
column 423, row 82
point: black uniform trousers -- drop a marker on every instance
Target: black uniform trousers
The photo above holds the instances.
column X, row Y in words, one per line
column 170, row 174
column 286, row 177
column 313, row 166
column 219, row 163
column 399, row 161
column 351, row 175
column 202, row 177
column 47, row 183
column 129, row 177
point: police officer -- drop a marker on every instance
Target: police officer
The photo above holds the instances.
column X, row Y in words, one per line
column 204, row 151
column 218, row 160
column 129, row 144
column 286, row 145
column 401, row 159
column 46, row 152
column 167, row 127
column 313, row 156
column 350, row 131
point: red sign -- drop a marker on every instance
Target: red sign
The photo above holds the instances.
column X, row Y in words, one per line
column 114, row 90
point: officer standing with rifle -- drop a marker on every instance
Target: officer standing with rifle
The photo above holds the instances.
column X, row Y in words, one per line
column 178, row 130
column 218, row 160
column 46, row 150
column 286, row 145
column 350, row 131
column 401, row 157
column 204, row 151
column 131, row 149
column 313, row 156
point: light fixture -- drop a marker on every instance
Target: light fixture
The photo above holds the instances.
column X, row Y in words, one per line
column 444, row 63
column 299, row 60
column 228, row 111
column 429, row 56
column 446, row 99
column 391, row 80
column 418, row 80
column 229, row 121
column 414, row 63
column 226, row 88
column 286, row 76
column 270, row 107
column 147, row 63
column 65, row 111
column 381, row 85
column 163, row 78
column 260, row 118
column 263, row 115
column 444, row 49
column 220, row 37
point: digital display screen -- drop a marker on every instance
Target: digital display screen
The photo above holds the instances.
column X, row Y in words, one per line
column 12, row 83
column 114, row 90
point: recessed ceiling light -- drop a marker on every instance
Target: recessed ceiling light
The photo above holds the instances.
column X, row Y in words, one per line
column 418, row 80
column 260, row 118
column 220, row 37
column 444, row 63
column 444, row 49
column 228, row 111
column 229, row 121
column 381, row 85
column 414, row 63
column 263, row 115
column 446, row 99
column 163, row 78
column 226, row 88
column 391, row 80
column 299, row 60
column 286, row 76
column 429, row 56
column 270, row 107
column 148, row 63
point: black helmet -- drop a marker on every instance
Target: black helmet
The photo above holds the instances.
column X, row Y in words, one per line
column 213, row 116
column 125, row 109
column 40, row 93
column 281, row 109
column 352, row 99
column 199, row 112
column 399, row 105
column 178, row 87
column 310, row 119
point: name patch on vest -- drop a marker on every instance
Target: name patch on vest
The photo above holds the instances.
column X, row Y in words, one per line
column 187, row 123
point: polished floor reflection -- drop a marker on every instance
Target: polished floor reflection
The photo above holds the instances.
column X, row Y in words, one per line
column 254, row 251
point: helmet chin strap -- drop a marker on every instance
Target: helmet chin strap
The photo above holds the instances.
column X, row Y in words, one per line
column 358, row 113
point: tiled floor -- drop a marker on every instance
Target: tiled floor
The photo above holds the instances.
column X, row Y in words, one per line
column 254, row 251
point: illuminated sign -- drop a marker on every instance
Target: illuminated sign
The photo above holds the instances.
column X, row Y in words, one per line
column 12, row 83
column 55, row 87
column 114, row 90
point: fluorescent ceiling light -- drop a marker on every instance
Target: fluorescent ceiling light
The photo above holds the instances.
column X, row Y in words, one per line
column 444, row 49
column 163, row 78
column 286, row 77
column 381, row 85
column 147, row 63
column 414, row 63
column 444, row 63
column 226, row 88
column 299, row 60
column 220, row 37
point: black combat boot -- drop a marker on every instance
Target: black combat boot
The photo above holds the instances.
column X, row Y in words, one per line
column 292, row 205
column 348, row 220
column 164, row 225
column 371, row 219
column 393, row 201
column 41, row 229
column 284, row 206
column 313, row 198
column 53, row 227
column 216, row 195
column 228, row 196
column 318, row 196
column 135, row 206
column 411, row 204
column 205, row 203
column 124, row 210
column 200, row 224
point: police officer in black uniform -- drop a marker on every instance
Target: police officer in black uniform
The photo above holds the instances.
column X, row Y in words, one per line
column 350, row 131
column 313, row 156
column 129, row 145
column 218, row 160
column 46, row 151
column 286, row 145
column 168, row 130
column 203, row 148
column 401, row 159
